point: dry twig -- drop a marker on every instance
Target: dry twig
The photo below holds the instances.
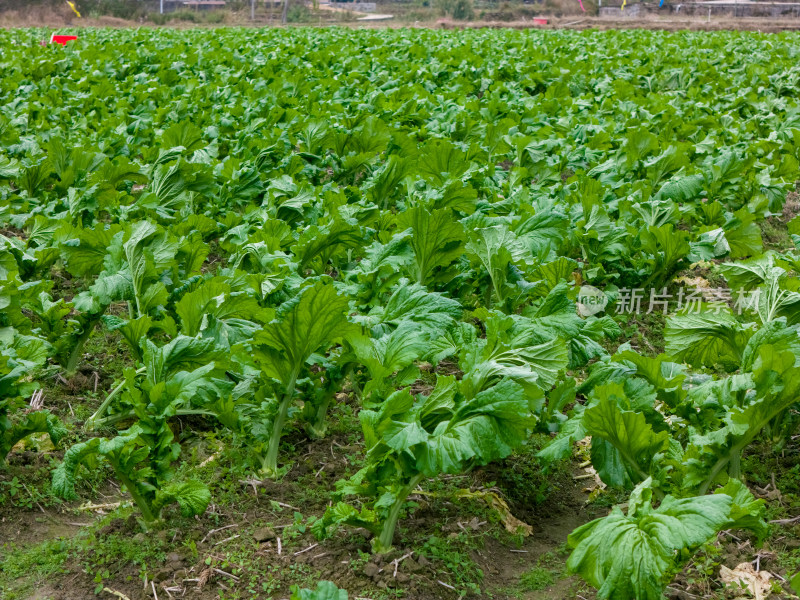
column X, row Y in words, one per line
column 213, row 531
column 119, row 595
column 311, row 547
column 226, row 574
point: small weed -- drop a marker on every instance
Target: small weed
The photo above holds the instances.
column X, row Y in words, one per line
column 23, row 569
column 775, row 235
column 538, row 578
column 466, row 575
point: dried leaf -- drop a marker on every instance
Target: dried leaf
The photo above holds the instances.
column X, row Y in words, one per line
column 745, row 577
column 496, row 503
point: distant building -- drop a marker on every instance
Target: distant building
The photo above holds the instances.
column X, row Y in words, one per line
column 173, row 5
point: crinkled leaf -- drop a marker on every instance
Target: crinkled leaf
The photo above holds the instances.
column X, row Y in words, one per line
column 635, row 555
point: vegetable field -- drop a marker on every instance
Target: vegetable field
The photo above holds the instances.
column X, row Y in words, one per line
column 421, row 314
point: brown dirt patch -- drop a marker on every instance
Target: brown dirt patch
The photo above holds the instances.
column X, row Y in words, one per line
column 58, row 16
column 791, row 208
column 224, row 537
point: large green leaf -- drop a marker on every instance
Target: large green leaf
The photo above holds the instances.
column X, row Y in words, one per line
column 437, row 239
column 40, row 421
column 390, row 354
column 192, row 496
column 496, row 249
column 635, row 555
column 628, row 432
column 83, row 250
column 314, row 320
column 215, row 298
column 413, row 303
column 707, row 337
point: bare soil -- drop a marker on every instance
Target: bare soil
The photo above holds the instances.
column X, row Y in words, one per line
column 665, row 23
column 62, row 16
column 230, row 537
column 57, row 16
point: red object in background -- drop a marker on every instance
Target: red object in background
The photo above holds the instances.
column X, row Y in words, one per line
column 538, row 21
column 62, row 39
